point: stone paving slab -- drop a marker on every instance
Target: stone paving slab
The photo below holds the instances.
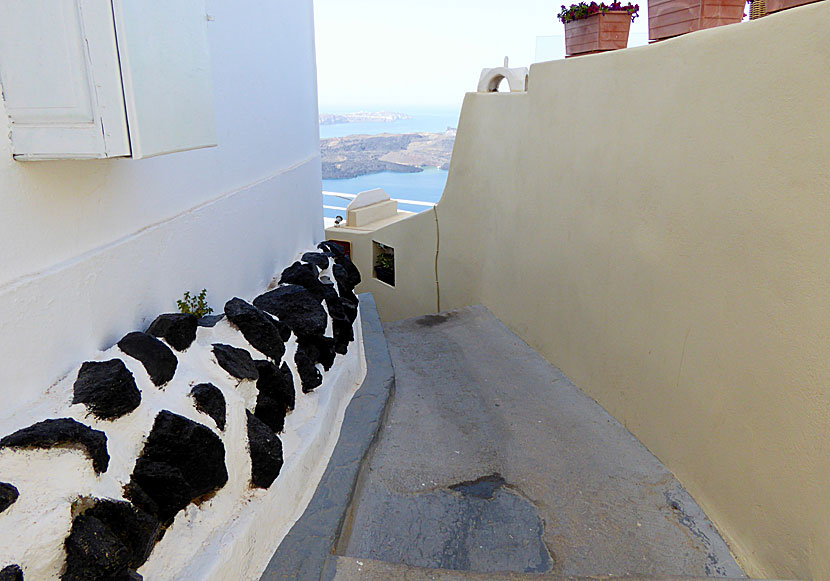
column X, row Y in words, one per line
column 304, row 552
column 491, row 460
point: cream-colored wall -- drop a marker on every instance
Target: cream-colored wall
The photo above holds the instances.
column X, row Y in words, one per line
column 90, row 250
column 413, row 237
column 656, row 222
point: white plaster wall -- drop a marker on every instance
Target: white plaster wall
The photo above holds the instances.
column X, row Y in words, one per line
column 90, row 250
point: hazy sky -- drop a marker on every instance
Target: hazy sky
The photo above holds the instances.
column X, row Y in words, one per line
column 427, row 53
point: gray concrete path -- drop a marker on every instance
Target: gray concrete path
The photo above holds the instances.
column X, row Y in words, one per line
column 306, row 551
column 491, row 460
column 349, row 568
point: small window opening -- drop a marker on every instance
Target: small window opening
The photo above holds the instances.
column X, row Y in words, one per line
column 384, row 261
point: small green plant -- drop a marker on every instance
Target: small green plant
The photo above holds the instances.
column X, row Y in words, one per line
column 385, row 263
column 196, row 305
column 386, row 260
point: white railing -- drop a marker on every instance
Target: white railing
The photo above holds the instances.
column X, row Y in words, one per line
column 330, row 221
column 353, row 196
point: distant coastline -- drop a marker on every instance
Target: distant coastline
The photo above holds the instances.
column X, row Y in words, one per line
column 357, row 155
column 362, row 117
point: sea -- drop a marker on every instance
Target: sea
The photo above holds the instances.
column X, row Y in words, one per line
column 425, row 186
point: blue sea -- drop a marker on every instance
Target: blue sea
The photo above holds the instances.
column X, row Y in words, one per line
column 426, row 186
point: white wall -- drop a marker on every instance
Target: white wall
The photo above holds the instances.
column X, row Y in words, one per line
column 90, row 250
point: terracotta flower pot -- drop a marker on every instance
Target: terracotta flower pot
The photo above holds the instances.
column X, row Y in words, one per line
column 778, row 5
column 597, row 33
column 667, row 18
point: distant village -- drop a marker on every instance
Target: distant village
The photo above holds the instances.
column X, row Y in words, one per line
column 362, row 117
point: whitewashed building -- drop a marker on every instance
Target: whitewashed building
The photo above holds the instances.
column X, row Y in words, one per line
column 149, row 148
column 92, row 248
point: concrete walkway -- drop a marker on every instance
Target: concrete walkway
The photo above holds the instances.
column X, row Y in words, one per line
column 491, row 460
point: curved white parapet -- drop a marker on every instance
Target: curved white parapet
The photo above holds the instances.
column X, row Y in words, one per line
column 370, row 206
column 516, row 78
column 368, row 198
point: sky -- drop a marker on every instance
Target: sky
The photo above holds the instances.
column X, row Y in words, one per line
column 425, row 54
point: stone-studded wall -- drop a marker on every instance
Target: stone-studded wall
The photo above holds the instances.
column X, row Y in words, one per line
column 159, row 456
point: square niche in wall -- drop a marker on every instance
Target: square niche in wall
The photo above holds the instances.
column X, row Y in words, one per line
column 383, row 261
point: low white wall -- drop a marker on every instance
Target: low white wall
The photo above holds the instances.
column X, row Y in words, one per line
column 231, row 536
column 92, row 249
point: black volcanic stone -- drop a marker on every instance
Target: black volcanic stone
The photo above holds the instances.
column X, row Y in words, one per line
column 273, row 383
column 296, row 307
column 350, row 308
column 141, row 499
column 238, row 362
column 209, row 400
column 156, row 357
column 341, row 325
column 11, row 573
column 352, row 272
column 137, row 530
column 181, row 462
column 210, row 320
column 318, row 259
column 272, row 400
column 343, row 284
column 352, row 278
column 343, row 335
column 310, row 376
column 306, row 276
column 178, row 329
column 63, row 432
column 334, row 304
column 288, row 377
column 334, row 249
column 94, row 552
column 8, row 495
column 319, row 349
column 107, row 388
column 285, row 330
column 270, row 412
column 266, row 452
column 258, row 327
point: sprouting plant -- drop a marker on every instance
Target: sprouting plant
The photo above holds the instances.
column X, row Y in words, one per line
column 386, row 260
column 194, row 305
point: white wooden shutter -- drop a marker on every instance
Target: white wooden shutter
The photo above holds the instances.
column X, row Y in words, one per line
column 61, row 79
column 165, row 66
column 86, row 79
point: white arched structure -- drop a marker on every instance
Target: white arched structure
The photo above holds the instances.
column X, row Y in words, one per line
column 491, row 78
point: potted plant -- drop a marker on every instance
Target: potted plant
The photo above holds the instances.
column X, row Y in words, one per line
column 592, row 28
column 668, row 18
column 385, row 267
column 778, row 5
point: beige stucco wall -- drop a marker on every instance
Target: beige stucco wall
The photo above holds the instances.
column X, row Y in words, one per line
column 413, row 236
column 656, row 222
